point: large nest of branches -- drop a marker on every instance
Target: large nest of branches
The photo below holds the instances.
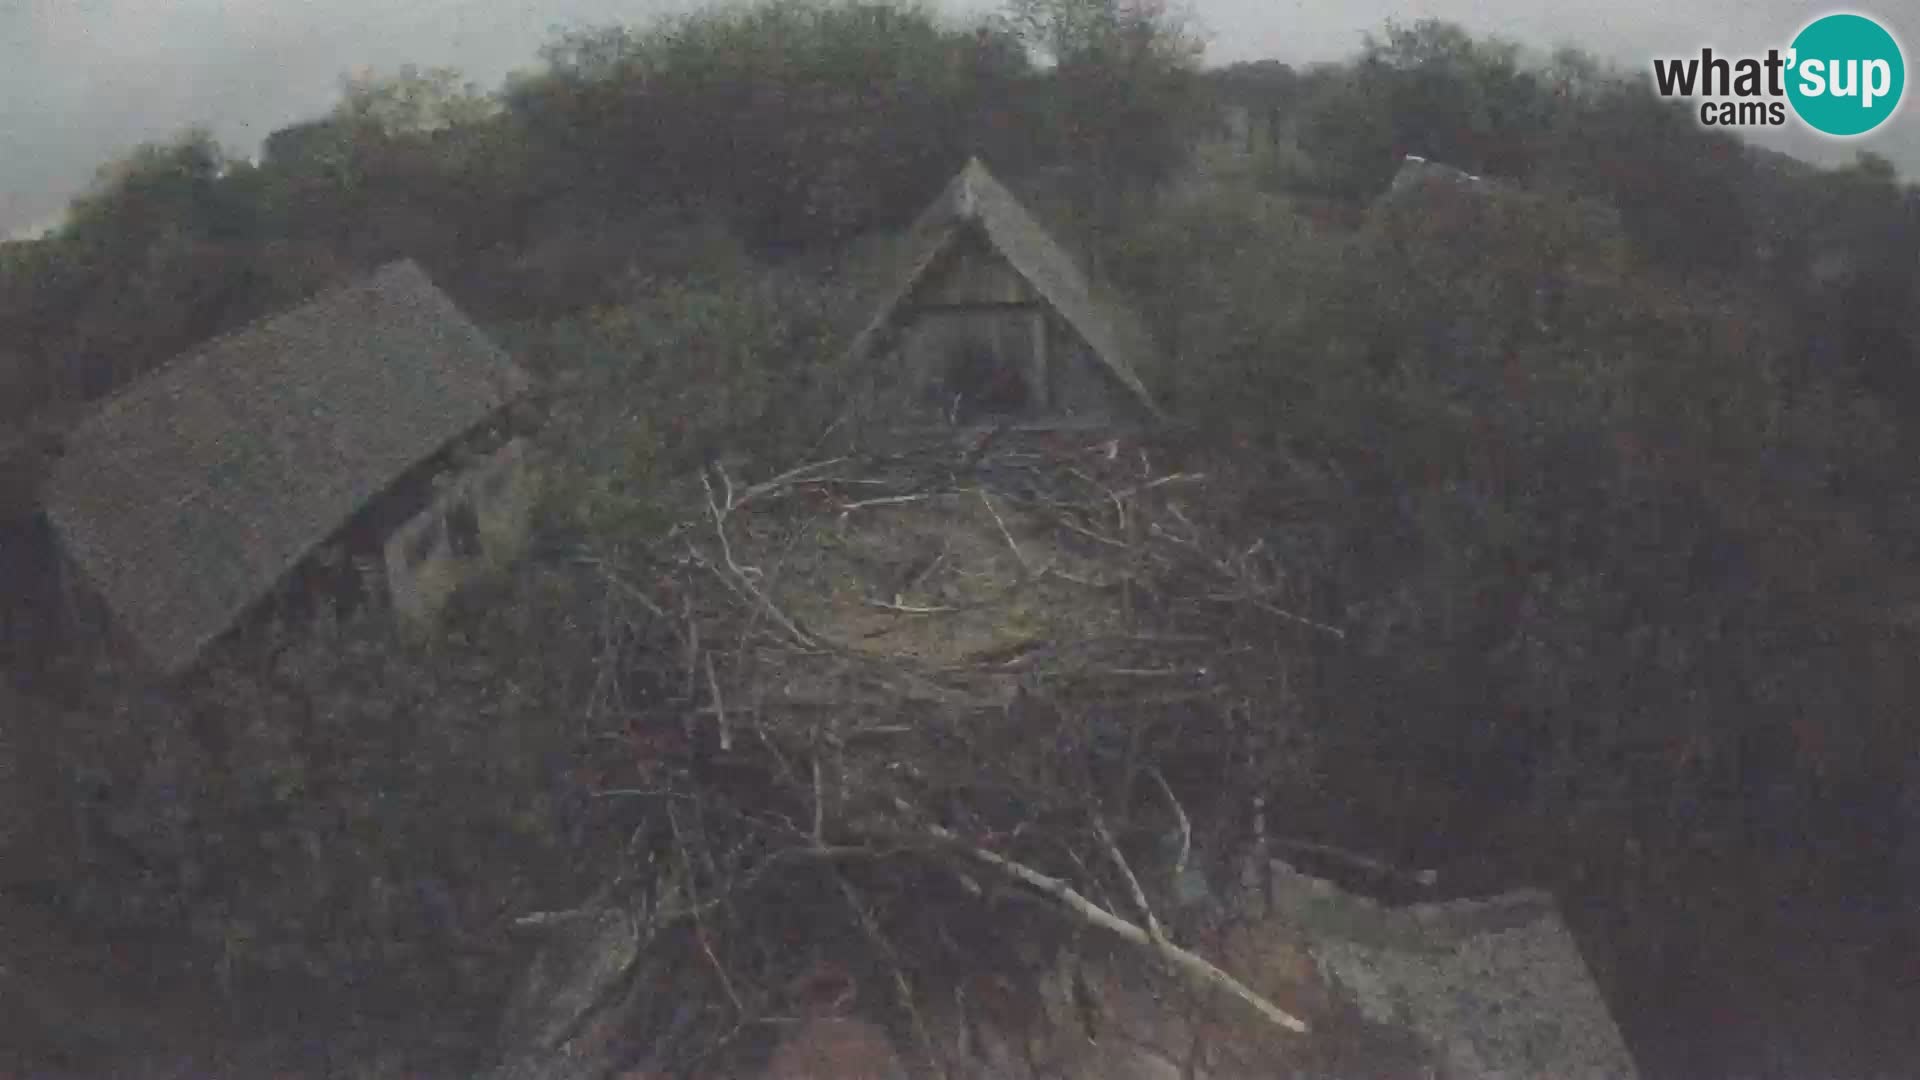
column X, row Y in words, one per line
column 887, row 729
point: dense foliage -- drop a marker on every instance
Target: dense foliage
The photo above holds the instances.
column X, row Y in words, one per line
column 1575, row 570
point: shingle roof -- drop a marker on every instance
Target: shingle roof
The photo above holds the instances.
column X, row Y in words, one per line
column 184, row 498
column 1119, row 341
column 1497, row 985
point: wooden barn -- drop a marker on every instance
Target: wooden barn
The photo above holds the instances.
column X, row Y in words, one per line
column 989, row 318
column 361, row 446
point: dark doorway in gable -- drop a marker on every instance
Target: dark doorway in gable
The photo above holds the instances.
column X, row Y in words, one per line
column 463, row 530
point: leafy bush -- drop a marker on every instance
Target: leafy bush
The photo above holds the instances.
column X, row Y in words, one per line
column 1590, row 553
column 339, row 809
column 725, row 360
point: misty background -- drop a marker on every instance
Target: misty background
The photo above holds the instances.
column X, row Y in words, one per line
column 83, row 81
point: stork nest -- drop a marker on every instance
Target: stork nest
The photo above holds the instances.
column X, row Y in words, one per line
column 836, row 704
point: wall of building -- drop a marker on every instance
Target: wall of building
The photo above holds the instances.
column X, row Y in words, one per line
column 478, row 522
column 1081, row 386
column 1055, row 372
column 966, row 352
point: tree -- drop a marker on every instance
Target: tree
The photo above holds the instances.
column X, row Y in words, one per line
column 1125, row 77
column 158, row 255
column 1434, row 90
column 797, row 121
column 1678, row 186
column 414, row 101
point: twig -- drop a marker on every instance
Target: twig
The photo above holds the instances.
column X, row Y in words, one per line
column 692, row 638
column 695, row 907
column 782, row 480
column 1180, row 813
column 1182, row 519
column 819, row 807
column 543, row 921
column 1174, row 478
column 1192, row 966
column 720, row 525
column 890, row 500
column 752, row 591
column 1076, row 579
column 913, row 582
column 907, row 609
column 982, row 492
column 632, row 591
column 1288, row 615
column 901, row 987
column 1138, row 895
column 719, row 706
column 767, row 584
column 1090, row 534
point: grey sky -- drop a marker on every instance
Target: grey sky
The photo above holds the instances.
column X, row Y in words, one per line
column 82, row 81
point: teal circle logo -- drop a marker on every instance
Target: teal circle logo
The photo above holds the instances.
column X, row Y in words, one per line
column 1846, row 75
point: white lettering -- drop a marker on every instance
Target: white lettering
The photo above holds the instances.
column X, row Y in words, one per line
column 1847, row 86
column 1813, row 77
column 1872, row 87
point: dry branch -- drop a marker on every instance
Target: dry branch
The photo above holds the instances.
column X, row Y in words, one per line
column 889, row 500
column 719, row 707
column 1192, row 966
column 903, row 990
column 908, row 609
column 785, row 479
column 1134, row 891
column 1180, row 814
column 998, row 520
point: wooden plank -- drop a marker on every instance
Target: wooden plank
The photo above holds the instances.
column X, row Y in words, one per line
column 1042, row 378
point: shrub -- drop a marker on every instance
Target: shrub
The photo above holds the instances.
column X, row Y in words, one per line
column 1588, row 545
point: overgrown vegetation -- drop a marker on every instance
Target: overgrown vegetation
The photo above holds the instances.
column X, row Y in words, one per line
column 1601, row 473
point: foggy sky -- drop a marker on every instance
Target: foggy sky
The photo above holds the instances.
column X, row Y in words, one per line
column 83, row 81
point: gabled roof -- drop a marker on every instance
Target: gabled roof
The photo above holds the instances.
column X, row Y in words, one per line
column 184, row 498
column 974, row 199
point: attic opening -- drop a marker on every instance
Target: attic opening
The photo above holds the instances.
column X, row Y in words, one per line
column 982, row 383
column 463, row 530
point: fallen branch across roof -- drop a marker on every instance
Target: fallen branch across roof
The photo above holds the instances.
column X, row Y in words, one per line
column 1188, row 964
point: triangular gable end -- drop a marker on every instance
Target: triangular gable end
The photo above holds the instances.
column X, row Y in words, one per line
column 976, row 214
